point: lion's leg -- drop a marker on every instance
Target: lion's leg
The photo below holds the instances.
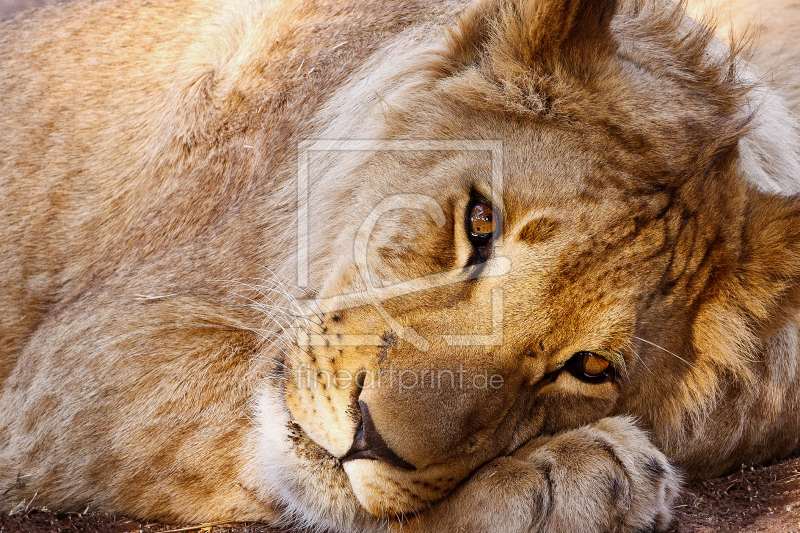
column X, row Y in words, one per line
column 603, row 477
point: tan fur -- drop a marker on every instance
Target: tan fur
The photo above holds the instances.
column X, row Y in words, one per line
column 157, row 358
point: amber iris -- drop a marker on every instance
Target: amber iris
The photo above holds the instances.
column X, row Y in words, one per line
column 594, row 365
column 590, row 368
column 481, row 219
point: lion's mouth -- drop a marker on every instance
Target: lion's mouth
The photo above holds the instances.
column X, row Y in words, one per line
column 381, row 481
column 367, row 444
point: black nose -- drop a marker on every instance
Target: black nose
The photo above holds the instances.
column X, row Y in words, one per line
column 368, row 443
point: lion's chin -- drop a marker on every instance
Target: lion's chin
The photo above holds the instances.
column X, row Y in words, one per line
column 386, row 491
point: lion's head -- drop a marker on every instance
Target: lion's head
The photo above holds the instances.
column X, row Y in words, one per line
column 557, row 231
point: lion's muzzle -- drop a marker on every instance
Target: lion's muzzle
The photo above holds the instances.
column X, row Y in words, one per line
column 368, row 444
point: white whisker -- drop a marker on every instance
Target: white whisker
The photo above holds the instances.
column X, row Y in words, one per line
column 639, row 357
column 662, row 348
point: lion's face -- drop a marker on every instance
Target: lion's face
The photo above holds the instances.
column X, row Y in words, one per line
column 515, row 313
column 473, row 304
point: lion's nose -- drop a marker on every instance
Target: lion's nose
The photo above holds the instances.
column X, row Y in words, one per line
column 368, row 443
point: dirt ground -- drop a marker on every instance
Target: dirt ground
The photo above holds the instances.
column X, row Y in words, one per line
column 760, row 499
column 751, row 500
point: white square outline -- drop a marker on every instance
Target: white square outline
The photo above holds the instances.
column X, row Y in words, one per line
column 494, row 146
column 350, row 145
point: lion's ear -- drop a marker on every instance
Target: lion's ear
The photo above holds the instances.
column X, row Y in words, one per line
column 536, row 32
column 581, row 26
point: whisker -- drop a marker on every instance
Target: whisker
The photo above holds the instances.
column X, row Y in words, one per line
column 280, row 288
column 277, row 287
column 284, row 310
column 308, row 295
column 630, row 346
column 293, row 357
column 664, row 349
column 290, row 324
column 283, row 281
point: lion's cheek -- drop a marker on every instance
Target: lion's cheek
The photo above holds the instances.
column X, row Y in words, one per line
column 322, row 411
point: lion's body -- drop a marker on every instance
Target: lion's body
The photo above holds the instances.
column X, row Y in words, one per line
column 71, row 222
column 148, row 196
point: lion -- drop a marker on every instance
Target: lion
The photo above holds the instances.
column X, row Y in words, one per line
column 461, row 265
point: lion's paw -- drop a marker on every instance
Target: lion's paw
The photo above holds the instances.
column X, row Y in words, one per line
column 603, row 477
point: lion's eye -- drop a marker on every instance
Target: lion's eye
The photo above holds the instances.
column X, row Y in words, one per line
column 590, row 367
column 481, row 224
column 481, row 219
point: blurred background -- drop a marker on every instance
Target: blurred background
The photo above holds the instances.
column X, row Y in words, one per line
column 9, row 8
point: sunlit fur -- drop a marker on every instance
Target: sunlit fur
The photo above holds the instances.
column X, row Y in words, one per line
column 154, row 341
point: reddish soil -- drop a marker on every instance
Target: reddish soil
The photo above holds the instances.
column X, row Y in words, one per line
column 753, row 500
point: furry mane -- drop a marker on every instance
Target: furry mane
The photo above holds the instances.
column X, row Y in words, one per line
column 701, row 97
column 492, row 67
